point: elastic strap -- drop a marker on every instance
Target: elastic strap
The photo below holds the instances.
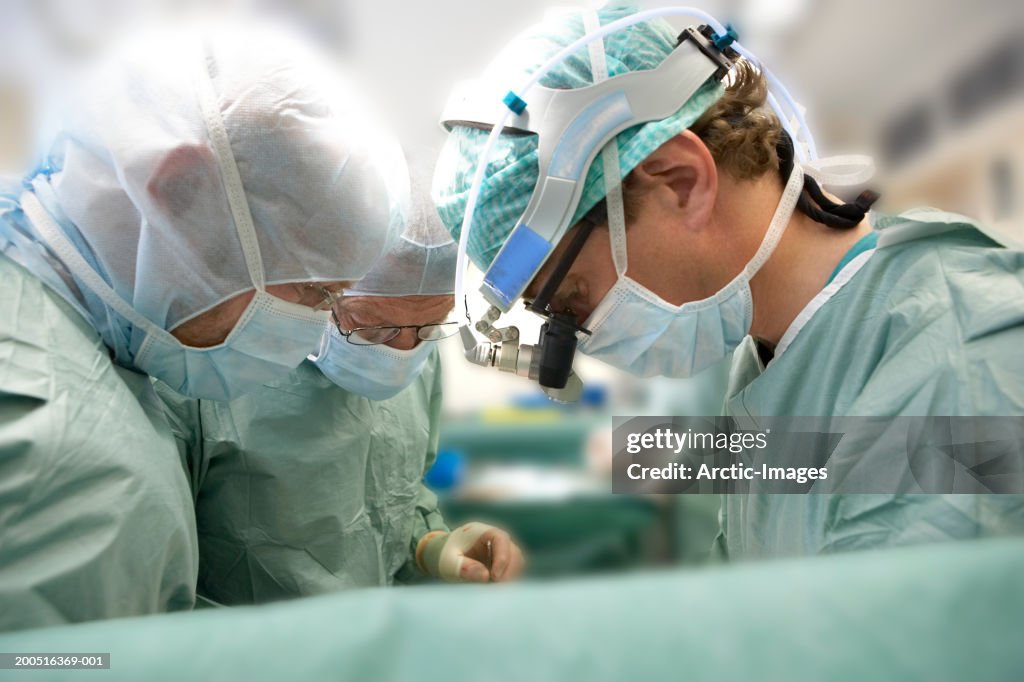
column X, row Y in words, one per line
column 229, row 171
column 609, row 155
column 814, row 203
column 73, row 260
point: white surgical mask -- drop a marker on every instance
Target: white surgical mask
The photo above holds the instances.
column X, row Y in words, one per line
column 636, row 330
column 376, row 372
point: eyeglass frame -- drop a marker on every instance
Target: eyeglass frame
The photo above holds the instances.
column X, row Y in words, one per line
column 329, row 297
column 396, row 327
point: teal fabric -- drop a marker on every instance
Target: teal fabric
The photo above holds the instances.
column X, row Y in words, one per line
column 303, row 488
column 512, row 171
column 932, row 326
column 950, row 612
column 95, row 514
column 865, row 243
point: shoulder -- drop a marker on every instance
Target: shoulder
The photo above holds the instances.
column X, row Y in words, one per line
column 42, row 335
column 59, row 389
column 935, row 267
column 931, row 324
column 948, row 312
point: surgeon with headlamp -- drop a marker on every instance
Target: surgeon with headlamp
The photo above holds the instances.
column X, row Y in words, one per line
column 701, row 229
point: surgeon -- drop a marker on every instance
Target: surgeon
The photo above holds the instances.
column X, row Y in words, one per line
column 204, row 196
column 719, row 241
column 313, row 483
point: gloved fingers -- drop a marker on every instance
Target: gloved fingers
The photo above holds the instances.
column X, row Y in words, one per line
column 493, row 548
column 428, row 551
column 476, row 552
column 472, row 571
column 501, row 553
column 515, row 566
column 455, row 548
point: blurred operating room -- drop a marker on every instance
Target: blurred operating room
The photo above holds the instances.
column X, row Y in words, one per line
column 932, row 89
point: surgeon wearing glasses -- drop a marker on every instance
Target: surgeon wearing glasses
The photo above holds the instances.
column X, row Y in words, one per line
column 314, row 483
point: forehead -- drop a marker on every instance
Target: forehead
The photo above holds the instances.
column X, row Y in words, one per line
column 398, row 309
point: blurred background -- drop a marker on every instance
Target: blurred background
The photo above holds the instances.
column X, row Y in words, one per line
column 933, row 89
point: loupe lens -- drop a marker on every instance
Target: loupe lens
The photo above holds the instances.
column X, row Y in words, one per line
column 557, row 350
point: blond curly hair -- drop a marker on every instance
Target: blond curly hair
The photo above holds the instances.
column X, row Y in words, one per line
column 739, row 130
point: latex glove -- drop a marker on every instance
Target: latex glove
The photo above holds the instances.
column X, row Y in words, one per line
column 474, row 552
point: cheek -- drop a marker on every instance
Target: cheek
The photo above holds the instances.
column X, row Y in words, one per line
column 213, row 326
column 597, row 273
column 597, row 289
column 287, row 292
column 228, row 315
column 674, row 267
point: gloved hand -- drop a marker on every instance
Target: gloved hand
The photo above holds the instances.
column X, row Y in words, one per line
column 474, row 552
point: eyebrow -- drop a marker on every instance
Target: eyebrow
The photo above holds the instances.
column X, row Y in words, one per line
column 367, row 310
column 534, row 287
column 360, row 310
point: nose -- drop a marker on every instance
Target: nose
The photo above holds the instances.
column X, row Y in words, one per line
column 406, row 340
column 583, row 314
column 580, row 311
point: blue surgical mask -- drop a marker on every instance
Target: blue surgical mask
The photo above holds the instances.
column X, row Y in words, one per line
column 272, row 337
column 634, row 329
column 376, row 372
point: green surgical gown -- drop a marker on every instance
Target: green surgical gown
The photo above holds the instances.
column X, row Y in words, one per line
column 303, row 488
column 932, row 326
column 96, row 519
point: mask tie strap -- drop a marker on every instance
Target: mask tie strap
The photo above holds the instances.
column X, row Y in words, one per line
column 78, row 266
column 609, row 155
column 229, row 170
column 841, row 171
column 233, row 188
column 780, row 221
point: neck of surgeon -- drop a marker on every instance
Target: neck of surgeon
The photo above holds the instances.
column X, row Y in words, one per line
column 801, row 264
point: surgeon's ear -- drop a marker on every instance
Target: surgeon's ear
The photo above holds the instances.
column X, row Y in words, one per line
column 184, row 176
column 682, row 176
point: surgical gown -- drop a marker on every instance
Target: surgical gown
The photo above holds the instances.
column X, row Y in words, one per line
column 303, row 488
column 932, row 326
column 96, row 519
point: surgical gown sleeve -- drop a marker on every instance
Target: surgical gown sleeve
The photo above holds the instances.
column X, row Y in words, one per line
column 96, row 519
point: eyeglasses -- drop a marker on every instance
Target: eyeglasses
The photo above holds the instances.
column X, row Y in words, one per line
column 374, row 336
column 319, row 297
column 329, row 297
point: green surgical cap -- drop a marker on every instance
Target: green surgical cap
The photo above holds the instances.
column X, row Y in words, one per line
column 512, row 170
